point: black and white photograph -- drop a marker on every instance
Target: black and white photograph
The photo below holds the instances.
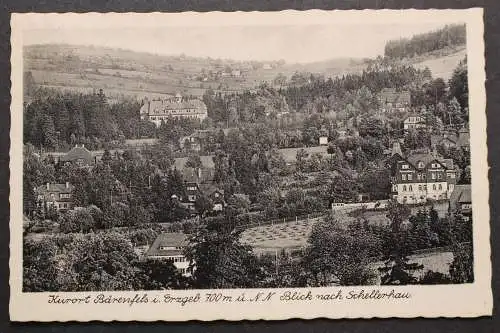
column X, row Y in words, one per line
column 175, row 157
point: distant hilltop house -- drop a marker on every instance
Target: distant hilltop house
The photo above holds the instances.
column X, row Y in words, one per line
column 170, row 246
column 423, row 176
column 236, row 73
column 267, row 66
column 178, row 107
column 414, row 121
column 79, row 156
column 391, row 100
column 54, row 196
column 195, row 141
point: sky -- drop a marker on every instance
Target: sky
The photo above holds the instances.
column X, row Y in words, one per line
column 299, row 41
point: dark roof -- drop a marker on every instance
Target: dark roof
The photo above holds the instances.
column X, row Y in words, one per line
column 78, row 152
column 438, row 139
column 427, row 158
column 460, row 194
column 56, row 188
column 463, row 138
column 192, row 175
column 390, row 95
column 169, row 239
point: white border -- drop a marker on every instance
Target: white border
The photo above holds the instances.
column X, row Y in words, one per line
column 469, row 300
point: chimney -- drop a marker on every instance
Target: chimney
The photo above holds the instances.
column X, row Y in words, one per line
column 67, row 185
column 199, row 173
column 48, row 186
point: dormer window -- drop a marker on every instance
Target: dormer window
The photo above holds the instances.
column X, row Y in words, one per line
column 404, row 166
column 421, row 165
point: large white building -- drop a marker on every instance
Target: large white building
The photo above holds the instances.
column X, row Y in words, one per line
column 159, row 110
column 423, row 176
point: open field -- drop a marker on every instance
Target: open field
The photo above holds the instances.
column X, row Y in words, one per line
column 443, row 66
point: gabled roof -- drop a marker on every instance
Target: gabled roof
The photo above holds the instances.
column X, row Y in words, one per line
column 55, row 188
column 169, row 239
column 414, row 115
column 461, row 194
column 78, row 152
column 438, row 139
column 427, row 158
column 390, row 95
column 192, row 175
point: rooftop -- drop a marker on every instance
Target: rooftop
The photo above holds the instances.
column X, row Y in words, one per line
column 175, row 240
column 78, row 152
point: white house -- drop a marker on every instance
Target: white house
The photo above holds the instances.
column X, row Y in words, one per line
column 170, row 246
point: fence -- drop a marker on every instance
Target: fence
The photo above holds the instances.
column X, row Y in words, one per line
column 252, row 224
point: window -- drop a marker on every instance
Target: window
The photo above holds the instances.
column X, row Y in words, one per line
column 404, row 188
column 440, row 176
column 65, row 195
column 434, row 187
column 419, row 176
column 420, row 164
column 410, row 188
column 440, row 186
column 404, row 166
column 433, row 175
column 409, row 177
column 403, row 177
column 420, row 187
column 452, row 175
column 425, row 187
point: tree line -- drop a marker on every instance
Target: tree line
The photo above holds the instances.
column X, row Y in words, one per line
column 449, row 36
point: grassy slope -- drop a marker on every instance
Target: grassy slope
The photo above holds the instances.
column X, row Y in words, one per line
column 133, row 74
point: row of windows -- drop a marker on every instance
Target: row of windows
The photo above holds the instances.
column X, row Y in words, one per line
column 178, row 259
column 165, row 111
column 166, row 117
column 422, row 187
column 434, row 175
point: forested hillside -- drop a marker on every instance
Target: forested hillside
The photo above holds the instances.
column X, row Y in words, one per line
column 449, row 37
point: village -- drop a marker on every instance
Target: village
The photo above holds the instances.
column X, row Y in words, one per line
column 261, row 180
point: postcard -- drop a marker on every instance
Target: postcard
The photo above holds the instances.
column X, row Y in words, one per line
column 249, row 165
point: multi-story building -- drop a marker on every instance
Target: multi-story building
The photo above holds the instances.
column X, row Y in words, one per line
column 54, row 196
column 461, row 200
column 391, row 100
column 414, row 121
column 178, row 107
column 423, row 176
column 170, row 246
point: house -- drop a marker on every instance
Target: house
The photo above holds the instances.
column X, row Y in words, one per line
column 414, row 121
column 56, row 196
column 197, row 182
column 392, row 100
column 461, row 201
column 170, row 246
column 195, row 141
column 342, row 132
column 323, row 140
column 215, row 194
column 160, row 110
column 447, row 140
column 423, row 176
column 78, row 155
column 267, row 66
column 236, row 73
column 463, row 140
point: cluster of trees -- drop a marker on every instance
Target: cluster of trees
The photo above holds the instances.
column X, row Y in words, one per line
column 92, row 262
column 54, row 119
column 449, row 36
column 336, row 254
